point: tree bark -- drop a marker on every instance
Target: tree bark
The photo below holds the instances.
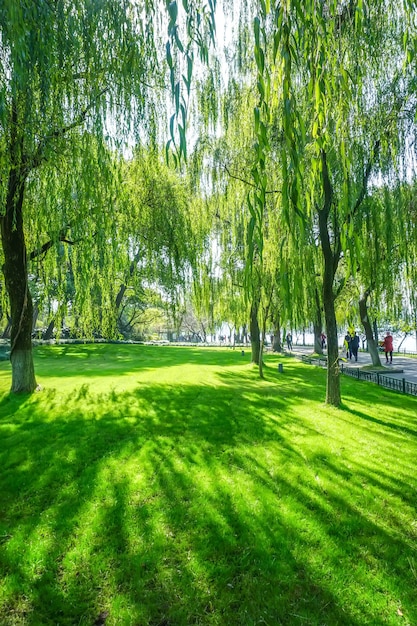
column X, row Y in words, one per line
column 255, row 338
column 333, row 394
column 8, row 329
column 276, row 339
column 317, row 325
column 372, row 343
column 16, row 280
column 50, row 330
column 331, row 260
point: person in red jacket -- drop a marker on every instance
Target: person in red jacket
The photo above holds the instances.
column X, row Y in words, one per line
column 388, row 346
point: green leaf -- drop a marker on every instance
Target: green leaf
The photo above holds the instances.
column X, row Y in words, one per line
column 256, row 28
column 173, row 11
column 168, row 55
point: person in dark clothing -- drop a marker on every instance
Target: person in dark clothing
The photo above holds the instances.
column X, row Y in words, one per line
column 354, row 345
column 346, row 344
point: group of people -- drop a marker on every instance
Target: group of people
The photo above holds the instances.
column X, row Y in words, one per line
column 351, row 345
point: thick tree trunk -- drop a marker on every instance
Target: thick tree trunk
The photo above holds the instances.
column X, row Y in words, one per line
column 331, row 260
column 333, row 394
column 16, row 280
column 372, row 344
column 277, row 345
column 255, row 337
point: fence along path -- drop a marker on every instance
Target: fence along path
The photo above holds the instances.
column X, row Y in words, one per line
column 401, row 376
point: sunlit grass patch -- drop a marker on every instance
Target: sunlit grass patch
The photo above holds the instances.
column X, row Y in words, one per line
column 159, row 485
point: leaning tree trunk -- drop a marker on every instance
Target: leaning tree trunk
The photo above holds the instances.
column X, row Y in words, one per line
column 16, row 280
column 372, row 343
column 255, row 335
column 49, row 333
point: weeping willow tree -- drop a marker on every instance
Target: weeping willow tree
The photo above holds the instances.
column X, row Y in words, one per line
column 73, row 73
column 161, row 227
column 327, row 68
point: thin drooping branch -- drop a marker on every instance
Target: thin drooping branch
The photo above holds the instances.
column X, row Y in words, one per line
column 248, row 182
column 38, row 157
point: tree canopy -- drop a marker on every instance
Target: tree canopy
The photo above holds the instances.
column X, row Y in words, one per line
column 291, row 142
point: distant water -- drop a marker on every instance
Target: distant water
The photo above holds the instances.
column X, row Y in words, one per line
column 408, row 345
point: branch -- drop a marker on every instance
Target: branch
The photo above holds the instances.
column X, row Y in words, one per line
column 247, row 182
column 368, row 171
column 39, row 155
column 62, row 236
column 46, row 246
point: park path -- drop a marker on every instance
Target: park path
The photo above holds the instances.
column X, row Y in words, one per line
column 402, row 366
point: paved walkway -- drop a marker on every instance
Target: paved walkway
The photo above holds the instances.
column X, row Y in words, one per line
column 402, row 366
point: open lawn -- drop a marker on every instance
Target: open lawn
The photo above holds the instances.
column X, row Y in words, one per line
column 169, row 486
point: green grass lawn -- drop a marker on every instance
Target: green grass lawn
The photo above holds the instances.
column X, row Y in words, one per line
column 169, row 486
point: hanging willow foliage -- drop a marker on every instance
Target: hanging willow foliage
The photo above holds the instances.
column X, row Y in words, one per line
column 77, row 77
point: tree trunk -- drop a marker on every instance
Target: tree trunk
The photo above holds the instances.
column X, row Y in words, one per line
column 8, row 329
column 276, row 339
column 35, row 316
column 372, row 343
column 331, row 260
column 333, row 395
column 16, row 280
column 317, row 329
column 277, row 345
column 317, row 325
column 375, row 326
column 255, row 338
column 402, row 341
column 50, row 330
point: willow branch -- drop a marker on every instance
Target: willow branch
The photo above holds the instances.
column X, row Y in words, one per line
column 248, row 182
column 39, row 154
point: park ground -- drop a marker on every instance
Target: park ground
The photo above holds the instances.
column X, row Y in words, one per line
column 169, row 486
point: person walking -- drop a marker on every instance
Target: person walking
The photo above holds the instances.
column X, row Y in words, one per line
column 388, row 346
column 289, row 341
column 346, row 344
column 354, row 345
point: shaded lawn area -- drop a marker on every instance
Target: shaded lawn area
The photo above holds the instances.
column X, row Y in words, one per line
column 169, row 486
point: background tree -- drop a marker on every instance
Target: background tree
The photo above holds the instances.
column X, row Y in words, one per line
column 72, row 71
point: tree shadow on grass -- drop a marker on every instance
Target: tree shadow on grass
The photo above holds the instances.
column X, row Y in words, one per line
column 190, row 504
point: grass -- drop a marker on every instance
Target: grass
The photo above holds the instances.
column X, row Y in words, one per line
column 170, row 486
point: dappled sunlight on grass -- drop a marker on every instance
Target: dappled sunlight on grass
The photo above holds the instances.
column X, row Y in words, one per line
column 198, row 494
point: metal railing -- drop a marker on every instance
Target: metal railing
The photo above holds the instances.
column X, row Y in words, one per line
column 395, row 384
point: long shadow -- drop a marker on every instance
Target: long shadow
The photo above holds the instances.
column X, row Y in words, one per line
column 161, row 472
